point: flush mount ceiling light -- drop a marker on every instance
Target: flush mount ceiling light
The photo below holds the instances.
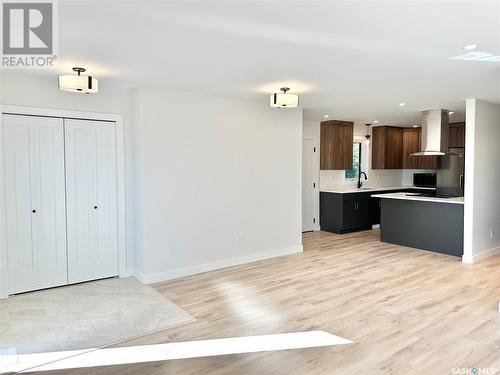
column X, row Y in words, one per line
column 284, row 100
column 375, row 122
column 78, row 83
column 451, row 112
column 402, row 104
column 326, row 116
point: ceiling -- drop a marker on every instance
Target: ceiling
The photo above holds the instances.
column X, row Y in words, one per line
column 353, row 60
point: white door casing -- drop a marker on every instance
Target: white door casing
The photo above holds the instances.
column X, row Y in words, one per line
column 309, row 185
column 35, row 202
column 91, row 190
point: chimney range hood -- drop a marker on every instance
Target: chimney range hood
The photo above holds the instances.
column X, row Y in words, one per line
column 434, row 133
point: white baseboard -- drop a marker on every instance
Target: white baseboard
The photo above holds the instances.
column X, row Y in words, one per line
column 127, row 273
column 205, row 267
column 474, row 258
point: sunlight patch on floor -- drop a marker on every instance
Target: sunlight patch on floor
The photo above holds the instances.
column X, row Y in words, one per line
column 170, row 351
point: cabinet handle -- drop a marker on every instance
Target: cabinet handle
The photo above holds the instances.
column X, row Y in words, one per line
column 34, row 211
column 95, row 207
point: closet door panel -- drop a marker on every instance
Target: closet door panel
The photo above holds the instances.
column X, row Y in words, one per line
column 91, row 212
column 21, row 259
column 35, row 202
column 50, row 199
column 106, row 201
column 80, row 190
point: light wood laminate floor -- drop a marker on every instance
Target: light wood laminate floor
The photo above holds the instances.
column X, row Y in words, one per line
column 407, row 311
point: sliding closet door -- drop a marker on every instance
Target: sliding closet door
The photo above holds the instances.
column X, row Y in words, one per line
column 35, row 202
column 91, row 189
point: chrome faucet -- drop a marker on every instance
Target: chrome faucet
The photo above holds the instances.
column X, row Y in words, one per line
column 359, row 179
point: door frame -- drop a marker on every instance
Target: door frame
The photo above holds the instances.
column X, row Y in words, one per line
column 123, row 270
column 316, row 174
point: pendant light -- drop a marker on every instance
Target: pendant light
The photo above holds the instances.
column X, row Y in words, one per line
column 368, row 136
column 284, row 100
column 78, row 83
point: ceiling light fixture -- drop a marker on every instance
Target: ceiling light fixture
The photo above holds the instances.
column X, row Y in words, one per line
column 375, row 122
column 78, row 83
column 368, row 136
column 326, row 116
column 284, row 100
column 415, row 126
column 451, row 112
column 470, row 47
column 402, row 104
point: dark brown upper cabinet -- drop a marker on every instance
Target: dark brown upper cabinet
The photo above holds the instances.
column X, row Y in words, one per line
column 336, row 141
column 412, row 142
column 387, row 147
column 456, row 134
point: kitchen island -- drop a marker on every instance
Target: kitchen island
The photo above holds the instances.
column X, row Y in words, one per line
column 350, row 209
column 428, row 223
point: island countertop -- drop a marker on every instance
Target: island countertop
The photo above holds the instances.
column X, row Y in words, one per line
column 417, row 197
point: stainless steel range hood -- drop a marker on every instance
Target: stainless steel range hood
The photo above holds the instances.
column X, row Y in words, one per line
column 434, row 132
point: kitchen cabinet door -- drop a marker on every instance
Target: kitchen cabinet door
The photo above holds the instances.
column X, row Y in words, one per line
column 350, row 214
column 336, row 141
column 411, row 144
column 456, row 135
column 387, row 147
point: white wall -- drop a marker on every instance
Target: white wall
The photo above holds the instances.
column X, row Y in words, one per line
column 218, row 182
column 211, row 181
column 482, row 180
column 28, row 88
column 311, row 129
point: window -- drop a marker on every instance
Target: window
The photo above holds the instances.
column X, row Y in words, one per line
column 352, row 174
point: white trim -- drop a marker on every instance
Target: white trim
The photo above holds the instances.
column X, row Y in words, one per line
column 211, row 266
column 54, row 112
column 364, row 163
column 316, row 172
column 482, row 255
column 123, row 269
column 4, row 269
column 470, row 115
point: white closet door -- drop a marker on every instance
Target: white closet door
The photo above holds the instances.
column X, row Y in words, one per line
column 35, row 202
column 91, row 189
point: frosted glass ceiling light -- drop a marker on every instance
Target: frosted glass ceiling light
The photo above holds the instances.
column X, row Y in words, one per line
column 78, row 83
column 284, row 100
